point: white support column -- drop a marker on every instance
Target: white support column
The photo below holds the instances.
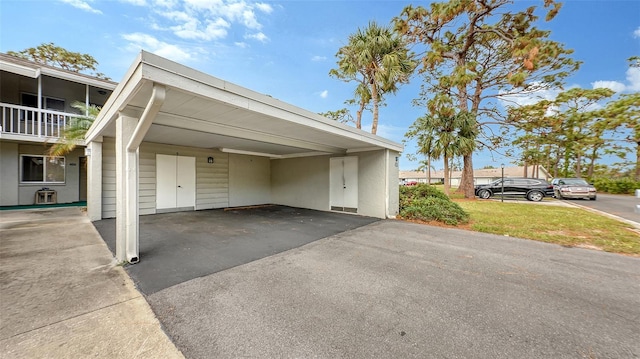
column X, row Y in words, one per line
column 40, row 118
column 126, row 193
column 94, row 179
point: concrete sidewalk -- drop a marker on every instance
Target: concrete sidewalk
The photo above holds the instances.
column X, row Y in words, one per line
column 62, row 296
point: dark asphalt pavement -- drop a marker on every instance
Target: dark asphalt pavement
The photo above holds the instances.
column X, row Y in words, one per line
column 618, row 205
column 177, row 247
column 393, row 289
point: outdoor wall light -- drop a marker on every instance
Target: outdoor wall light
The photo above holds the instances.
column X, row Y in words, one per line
column 210, row 160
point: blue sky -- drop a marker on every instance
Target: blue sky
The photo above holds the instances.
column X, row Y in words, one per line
column 286, row 48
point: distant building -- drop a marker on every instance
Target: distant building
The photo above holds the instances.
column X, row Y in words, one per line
column 481, row 176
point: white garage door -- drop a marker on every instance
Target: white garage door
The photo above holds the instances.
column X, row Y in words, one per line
column 176, row 182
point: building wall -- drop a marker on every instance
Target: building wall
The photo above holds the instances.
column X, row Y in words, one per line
column 212, row 180
column 240, row 180
column 393, row 183
column 301, row 182
column 51, row 87
column 249, row 180
column 12, row 192
column 304, row 182
column 9, row 178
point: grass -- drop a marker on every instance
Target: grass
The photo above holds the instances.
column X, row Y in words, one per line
column 561, row 225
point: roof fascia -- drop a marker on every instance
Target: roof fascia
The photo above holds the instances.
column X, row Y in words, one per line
column 122, row 94
column 161, row 70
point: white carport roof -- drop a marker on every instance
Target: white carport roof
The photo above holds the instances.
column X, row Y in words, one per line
column 200, row 110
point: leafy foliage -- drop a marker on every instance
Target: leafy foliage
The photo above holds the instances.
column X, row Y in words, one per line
column 616, row 186
column 52, row 55
column 378, row 61
column 75, row 129
column 426, row 203
column 563, row 133
column 445, row 135
column 477, row 51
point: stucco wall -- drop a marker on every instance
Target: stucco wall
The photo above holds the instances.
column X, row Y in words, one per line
column 249, row 180
column 212, row 180
column 9, row 174
column 301, row 182
column 371, row 183
column 67, row 192
column 394, row 183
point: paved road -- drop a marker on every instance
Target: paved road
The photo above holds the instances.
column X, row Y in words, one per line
column 619, row 205
column 393, row 289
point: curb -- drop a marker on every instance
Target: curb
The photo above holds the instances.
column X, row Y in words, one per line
column 613, row 216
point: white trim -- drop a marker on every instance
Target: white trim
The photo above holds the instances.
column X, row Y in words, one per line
column 44, row 170
column 364, row 149
column 250, row 153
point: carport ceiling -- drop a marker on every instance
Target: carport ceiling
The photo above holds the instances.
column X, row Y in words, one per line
column 202, row 111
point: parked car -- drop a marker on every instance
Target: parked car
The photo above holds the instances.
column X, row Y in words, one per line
column 533, row 189
column 573, row 188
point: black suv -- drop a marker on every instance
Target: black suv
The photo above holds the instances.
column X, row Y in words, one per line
column 532, row 189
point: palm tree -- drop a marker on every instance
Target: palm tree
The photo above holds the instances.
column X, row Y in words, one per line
column 445, row 136
column 379, row 60
column 75, row 129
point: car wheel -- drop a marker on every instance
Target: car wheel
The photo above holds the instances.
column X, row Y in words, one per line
column 592, row 198
column 559, row 196
column 535, row 196
column 484, row 194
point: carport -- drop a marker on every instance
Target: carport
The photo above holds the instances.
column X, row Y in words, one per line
column 173, row 139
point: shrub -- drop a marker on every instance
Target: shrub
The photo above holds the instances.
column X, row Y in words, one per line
column 616, row 186
column 427, row 203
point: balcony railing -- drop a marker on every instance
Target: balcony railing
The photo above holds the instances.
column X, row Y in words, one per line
column 23, row 120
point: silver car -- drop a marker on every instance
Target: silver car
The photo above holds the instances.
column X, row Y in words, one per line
column 565, row 188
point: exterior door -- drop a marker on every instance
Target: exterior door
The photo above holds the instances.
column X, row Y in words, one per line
column 175, row 182
column 343, row 183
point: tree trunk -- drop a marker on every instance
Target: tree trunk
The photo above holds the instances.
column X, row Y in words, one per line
column 374, row 97
column 526, row 172
column 447, row 181
column 638, row 162
column 359, row 115
column 578, row 165
column 429, row 170
column 466, row 182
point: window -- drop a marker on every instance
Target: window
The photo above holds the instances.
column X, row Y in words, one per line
column 42, row 169
column 48, row 103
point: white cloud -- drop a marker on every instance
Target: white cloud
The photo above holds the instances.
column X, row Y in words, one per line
column 633, row 77
column 139, row 41
column 529, row 98
column 318, row 58
column 265, row 8
column 210, row 19
column 135, row 2
column 82, row 5
column 241, row 44
column 324, row 94
column 612, row 85
column 637, row 32
column 257, row 36
column 192, row 29
column 633, row 82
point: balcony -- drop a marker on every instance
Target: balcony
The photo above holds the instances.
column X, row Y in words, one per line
column 31, row 124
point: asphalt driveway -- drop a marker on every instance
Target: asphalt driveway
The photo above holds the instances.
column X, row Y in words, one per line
column 177, row 247
column 393, row 289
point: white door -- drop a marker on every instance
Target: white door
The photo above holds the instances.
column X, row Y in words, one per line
column 343, row 183
column 186, row 182
column 175, row 181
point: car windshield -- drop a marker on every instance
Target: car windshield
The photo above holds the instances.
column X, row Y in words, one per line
column 575, row 181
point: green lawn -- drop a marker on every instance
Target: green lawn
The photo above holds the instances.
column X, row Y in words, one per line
column 553, row 224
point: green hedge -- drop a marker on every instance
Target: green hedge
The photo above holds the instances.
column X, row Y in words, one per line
column 616, row 186
column 426, row 203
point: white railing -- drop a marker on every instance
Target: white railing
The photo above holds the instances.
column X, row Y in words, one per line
column 23, row 120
